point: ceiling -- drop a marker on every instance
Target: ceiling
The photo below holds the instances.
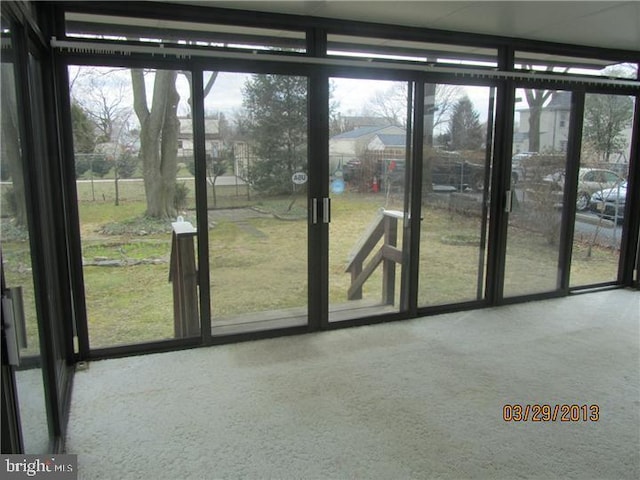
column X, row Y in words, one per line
column 607, row 24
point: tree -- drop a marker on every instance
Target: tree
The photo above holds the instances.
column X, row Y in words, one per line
column 536, row 100
column 159, row 127
column 465, row 131
column 84, row 136
column 276, row 108
column 10, row 143
column 391, row 104
column 605, row 119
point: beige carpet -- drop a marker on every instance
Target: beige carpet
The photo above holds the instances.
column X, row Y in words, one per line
column 416, row 399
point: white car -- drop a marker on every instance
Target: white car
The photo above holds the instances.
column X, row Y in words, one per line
column 590, row 180
column 610, row 202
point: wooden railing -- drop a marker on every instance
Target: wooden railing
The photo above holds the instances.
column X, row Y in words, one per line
column 385, row 225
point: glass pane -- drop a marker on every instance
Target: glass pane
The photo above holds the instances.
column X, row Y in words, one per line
column 392, row 49
column 602, row 188
column 16, row 258
column 543, row 62
column 132, row 131
column 538, row 168
column 454, row 200
column 256, row 167
column 368, row 161
column 178, row 33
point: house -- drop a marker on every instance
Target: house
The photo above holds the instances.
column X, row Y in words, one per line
column 393, row 145
column 185, row 137
column 351, row 145
column 554, row 125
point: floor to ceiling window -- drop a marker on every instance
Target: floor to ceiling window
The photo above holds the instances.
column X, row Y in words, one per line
column 368, row 164
column 133, row 148
column 602, row 188
column 242, row 160
column 457, row 150
column 17, row 268
column 257, row 182
column 541, row 126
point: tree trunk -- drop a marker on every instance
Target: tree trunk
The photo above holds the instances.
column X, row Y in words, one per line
column 535, row 100
column 159, row 129
column 534, row 128
column 429, row 125
column 11, row 143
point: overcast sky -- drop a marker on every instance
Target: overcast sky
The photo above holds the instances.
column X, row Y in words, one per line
column 351, row 96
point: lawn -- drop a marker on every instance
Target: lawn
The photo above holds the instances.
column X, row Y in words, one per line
column 258, row 260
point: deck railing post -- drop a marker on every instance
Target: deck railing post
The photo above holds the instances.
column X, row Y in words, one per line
column 183, row 276
column 389, row 265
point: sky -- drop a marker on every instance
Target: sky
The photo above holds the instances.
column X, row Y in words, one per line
column 351, row 96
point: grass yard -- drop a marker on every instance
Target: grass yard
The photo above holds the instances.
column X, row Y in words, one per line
column 259, row 263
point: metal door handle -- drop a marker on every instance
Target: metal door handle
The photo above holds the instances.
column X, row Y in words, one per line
column 326, row 210
column 508, row 201
column 11, row 332
column 314, row 211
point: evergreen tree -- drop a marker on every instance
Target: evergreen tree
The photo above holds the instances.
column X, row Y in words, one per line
column 84, row 132
column 465, row 131
column 276, row 107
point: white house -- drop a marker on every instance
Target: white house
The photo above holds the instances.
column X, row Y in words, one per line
column 554, row 125
column 211, row 135
column 351, row 145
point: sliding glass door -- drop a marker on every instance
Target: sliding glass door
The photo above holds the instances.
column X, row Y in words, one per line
column 135, row 199
column 369, row 160
column 20, row 315
column 535, row 203
column 602, row 189
column 257, row 174
column 457, row 150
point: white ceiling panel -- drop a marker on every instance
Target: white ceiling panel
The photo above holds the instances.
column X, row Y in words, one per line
column 607, row 24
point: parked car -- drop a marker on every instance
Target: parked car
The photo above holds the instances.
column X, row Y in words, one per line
column 610, row 202
column 534, row 167
column 590, row 180
column 452, row 169
column 517, row 169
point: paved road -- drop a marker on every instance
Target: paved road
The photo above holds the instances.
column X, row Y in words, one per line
column 589, row 225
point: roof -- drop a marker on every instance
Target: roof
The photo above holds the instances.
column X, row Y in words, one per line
column 393, row 140
column 358, row 132
column 560, row 101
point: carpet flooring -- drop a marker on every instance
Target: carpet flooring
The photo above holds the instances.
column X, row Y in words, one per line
column 417, row 399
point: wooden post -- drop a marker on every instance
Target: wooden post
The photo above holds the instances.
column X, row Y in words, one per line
column 356, row 270
column 184, row 277
column 388, row 265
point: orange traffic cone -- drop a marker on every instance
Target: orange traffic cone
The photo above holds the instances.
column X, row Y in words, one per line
column 374, row 185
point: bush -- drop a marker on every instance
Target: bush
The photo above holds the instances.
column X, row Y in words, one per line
column 5, row 173
column 100, row 166
column 191, row 166
column 180, row 196
column 83, row 164
column 127, row 165
column 9, row 203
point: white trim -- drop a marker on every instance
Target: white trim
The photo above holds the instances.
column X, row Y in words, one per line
column 187, row 53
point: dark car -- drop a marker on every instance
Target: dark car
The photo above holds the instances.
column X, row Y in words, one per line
column 610, row 202
column 450, row 168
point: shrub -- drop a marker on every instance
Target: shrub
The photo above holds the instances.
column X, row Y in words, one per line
column 100, row 165
column 127, row 165
column 180, row 196
column 9, row 203
column 82, row 164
